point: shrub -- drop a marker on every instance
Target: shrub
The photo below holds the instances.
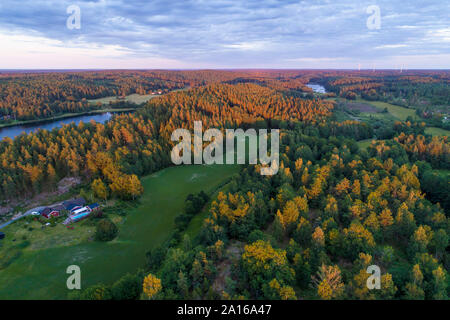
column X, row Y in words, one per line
column 106, row 230
column 129, row 287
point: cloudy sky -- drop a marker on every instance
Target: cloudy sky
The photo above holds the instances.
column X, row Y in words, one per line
column 190, row 34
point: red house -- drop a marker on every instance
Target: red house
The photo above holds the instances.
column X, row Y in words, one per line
column 49, row 212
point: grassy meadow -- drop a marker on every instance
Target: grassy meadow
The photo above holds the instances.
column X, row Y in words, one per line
column 437, row 131
column 39, row 263
column 135, row 98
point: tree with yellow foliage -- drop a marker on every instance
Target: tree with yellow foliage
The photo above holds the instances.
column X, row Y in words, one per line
column 261, row 263
column 151, row 286
column 302, row 204
column 414, row 290
column 318, row 237
column 331, row 208
column 357, row 239
column 126, row 186
column 328, row 282
column 356, row 188
column 275, row 291
column 420, row 240
column 99, row 188
column 386, row 219
column 342, row 187
column 405, row 223
column 388, row 288
column 439, row 284
column 289, row 216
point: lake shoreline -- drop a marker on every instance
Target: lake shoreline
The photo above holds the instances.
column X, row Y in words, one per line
column 94, row 111
column 65, row 116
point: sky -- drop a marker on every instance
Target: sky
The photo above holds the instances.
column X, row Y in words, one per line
column 224, row 34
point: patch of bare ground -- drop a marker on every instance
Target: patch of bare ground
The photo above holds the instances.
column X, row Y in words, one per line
column 232, row 256
column 313, row 214
column 345, row 264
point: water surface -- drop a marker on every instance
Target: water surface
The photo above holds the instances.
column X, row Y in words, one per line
column 14, row 131
column 317, row 87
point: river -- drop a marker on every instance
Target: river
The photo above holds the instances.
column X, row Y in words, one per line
column 14, row 131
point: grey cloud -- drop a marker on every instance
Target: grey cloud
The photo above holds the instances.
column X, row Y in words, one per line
column 223, row 32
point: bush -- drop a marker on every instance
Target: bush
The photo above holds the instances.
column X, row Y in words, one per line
column 95, row 292
column 129, row 287
column 156, row 257
column 106, row 230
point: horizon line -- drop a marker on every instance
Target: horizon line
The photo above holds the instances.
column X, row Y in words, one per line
column 218, row 69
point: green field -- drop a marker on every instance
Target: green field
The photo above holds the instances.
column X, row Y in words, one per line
column 363, row 144
column 398, row 112
column 41, row 273
column 394, row 112
column 437, row 131
column 135, row 98
column 443, row 172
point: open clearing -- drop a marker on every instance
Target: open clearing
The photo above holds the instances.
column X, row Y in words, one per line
column 437, row 131
column 363, row 144
column 398, row 112
column 362, row 107
column 135, row 98
column 39, row 272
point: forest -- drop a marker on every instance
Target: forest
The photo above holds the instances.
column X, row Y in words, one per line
column 309, row 232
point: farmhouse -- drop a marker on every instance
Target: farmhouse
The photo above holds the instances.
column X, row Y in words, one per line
column 59, row 207
column 74, row 204
column 49, row 212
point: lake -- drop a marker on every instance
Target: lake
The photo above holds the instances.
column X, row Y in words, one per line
column 317, row 87
column 14, row 131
